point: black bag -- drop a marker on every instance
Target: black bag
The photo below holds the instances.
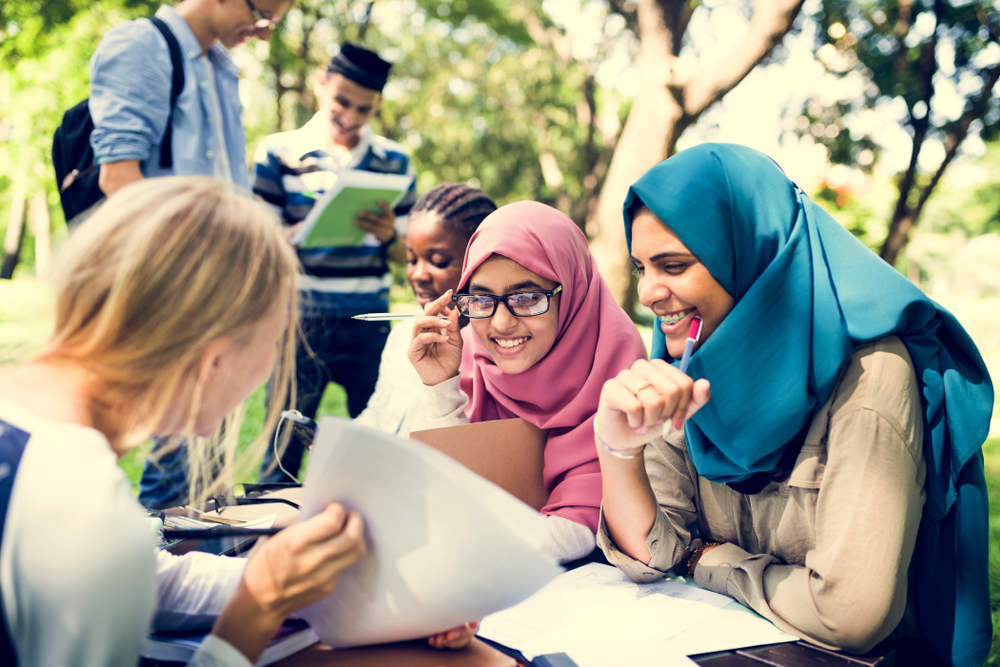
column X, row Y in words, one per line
column 73, row 157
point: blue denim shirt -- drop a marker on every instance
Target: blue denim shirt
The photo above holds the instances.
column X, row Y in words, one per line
column 130, row 77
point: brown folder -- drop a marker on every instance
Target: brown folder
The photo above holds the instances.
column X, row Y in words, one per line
column 415, row 653
column 508, row 452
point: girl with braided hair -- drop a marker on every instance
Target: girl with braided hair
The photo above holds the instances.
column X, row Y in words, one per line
column 440, row 226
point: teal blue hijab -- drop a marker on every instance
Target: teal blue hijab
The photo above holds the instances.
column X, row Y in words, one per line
column 807, row 293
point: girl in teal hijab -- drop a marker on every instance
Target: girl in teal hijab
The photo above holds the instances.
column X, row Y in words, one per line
column 798, row 300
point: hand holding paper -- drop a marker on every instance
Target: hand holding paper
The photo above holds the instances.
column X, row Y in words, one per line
column 381, row 225
column 444, row 545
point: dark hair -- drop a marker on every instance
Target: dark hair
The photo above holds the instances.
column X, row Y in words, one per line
column 461, row 207
column 636, row 207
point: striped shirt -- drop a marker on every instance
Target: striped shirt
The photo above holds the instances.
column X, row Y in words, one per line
column 292, row 170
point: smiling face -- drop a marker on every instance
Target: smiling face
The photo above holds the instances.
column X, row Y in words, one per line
column 346, row 105
column 674, row 284
column 515, row 343
column 433, row 257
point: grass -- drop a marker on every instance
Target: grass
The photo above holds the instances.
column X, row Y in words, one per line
column 25, row 321
column 991, row 454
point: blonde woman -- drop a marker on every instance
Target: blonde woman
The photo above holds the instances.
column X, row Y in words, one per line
column 173, row 305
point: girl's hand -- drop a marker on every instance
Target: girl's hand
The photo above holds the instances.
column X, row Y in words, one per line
column 636, row 404
column 298, row 566
column 436, row 348
column 304, row 562
column 456, row 637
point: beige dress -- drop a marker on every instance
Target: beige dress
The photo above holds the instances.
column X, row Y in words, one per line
column 824, row 554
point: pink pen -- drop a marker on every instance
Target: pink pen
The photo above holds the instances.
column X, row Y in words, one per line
column 694, row 333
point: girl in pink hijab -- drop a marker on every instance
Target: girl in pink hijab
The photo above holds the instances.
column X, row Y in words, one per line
column 545, row 334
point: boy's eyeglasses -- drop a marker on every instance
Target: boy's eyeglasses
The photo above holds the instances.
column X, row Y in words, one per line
column 520, row 304
column 262, row 20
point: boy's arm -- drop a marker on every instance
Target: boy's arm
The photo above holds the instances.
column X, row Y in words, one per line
column 116, row 175
column 130, row 79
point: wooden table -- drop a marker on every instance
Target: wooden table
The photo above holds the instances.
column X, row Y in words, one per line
column 416, row 653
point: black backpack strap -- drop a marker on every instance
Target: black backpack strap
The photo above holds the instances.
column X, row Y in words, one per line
column 12, row 444
column 166, row 146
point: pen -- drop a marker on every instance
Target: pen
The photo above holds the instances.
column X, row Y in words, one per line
column 212, row 533
column 382, row 317
column 694, row 333
column 385, row 317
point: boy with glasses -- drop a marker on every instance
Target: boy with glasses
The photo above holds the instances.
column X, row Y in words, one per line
column 131, row 75
column 130, row 85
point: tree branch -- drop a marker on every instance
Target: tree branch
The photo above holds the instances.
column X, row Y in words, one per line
column 770, row 21
column 548, row 37
column 976, row 110
column 985, row 21
column 920, row 126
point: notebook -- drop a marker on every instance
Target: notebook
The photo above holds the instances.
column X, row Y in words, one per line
column 508, row 452
column 330, row 223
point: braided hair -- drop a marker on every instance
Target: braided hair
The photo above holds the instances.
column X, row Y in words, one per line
column 460, row 206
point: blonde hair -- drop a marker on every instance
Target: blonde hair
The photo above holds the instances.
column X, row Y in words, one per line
column 164, row 268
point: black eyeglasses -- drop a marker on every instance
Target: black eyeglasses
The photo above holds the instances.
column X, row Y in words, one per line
column 262, row 20
column 520, row 304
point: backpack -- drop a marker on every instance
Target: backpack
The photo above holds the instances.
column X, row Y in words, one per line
column 73, row 157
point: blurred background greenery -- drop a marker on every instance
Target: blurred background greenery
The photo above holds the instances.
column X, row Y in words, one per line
column 884, row 111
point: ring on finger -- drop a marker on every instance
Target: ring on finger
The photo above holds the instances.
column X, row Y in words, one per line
column 645, row 385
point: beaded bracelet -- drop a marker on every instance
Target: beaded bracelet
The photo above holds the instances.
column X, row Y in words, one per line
column 695, row 554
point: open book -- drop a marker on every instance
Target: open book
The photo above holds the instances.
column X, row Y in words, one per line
column 330, row 223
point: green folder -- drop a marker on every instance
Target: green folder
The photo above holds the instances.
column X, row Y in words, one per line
column 330, row 223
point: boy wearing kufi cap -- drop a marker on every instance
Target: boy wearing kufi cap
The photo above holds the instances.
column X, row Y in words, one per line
column 294, row 169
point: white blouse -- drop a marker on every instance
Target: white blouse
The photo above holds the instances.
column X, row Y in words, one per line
column 81, row 578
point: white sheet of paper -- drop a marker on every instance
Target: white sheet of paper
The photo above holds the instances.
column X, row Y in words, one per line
column 598, row 616
column 734, row 626
column 444, row 545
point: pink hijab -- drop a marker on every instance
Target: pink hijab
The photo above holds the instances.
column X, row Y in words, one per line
column 595, row 341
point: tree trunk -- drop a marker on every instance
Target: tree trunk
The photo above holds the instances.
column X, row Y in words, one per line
column 905, row 216
column 15, row 231
column 899, row 233
column 38, row 213
column 665, row 106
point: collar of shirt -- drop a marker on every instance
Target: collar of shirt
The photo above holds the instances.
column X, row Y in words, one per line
column 314, row 138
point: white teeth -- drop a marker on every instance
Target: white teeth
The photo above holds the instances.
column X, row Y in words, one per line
column 509, row 342
column 676, row 318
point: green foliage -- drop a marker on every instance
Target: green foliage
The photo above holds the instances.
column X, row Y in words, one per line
column 39, row 84
column 467, row 83
column 30, row 28
column 929, row 66
column 915, row 53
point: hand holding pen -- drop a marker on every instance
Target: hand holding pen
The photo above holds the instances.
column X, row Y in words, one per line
column 637, row 404
column 436, row 348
